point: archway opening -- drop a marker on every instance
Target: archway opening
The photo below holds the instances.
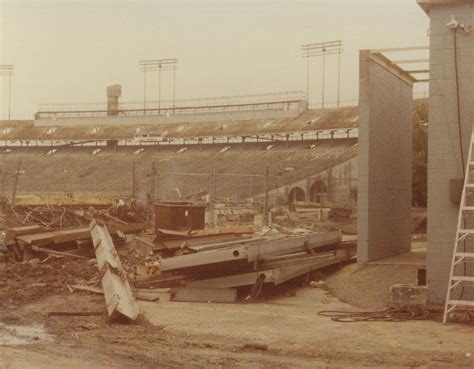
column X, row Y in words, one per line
column 296, row 194
column 318, row 192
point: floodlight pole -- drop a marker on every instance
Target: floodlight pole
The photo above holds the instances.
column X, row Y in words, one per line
column 338, row 79
column 161, row 65
column 159, row 88
column 144, row 91
column 9, row 93
column 323, row 49
column 307, row 81
column 323, row 79
column 7, row 70
column 174, row 88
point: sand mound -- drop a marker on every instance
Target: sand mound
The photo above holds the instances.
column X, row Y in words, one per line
column 369, row 287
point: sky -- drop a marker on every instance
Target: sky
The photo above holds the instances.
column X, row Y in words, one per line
column 69, row 51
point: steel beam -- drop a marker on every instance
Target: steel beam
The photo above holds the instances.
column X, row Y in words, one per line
column 249, row 253
column 118, row 294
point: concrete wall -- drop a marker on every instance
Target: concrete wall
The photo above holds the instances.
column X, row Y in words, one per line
column 293, row 111
column 340, row 182
column 385, row 162
column 444, row 155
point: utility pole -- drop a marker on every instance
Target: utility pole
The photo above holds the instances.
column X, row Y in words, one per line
column 161, row 65
column 15, row 184
column 7, row 70
column 338, row 79
column 153, row 181
column 212, row 185
column 266, row 188
column 322, row 49
column 134, row 185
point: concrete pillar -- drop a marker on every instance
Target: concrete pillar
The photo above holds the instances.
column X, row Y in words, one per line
column 385, row 162
column 113, row 94
column 444, row 150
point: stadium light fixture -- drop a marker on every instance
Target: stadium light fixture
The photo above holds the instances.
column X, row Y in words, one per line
column 7, row 70
column 323, row 49
column 158, row 65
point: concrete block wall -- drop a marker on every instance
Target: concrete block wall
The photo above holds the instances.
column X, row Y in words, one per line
column 444, row 154
column 385, row 162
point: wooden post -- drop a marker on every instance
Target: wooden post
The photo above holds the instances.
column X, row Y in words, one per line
column 134, row 186
column 15, row 185
column 265, row 189
column 153, row 181
column 212, row 180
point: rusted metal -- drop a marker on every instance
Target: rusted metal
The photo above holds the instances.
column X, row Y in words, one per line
column 180, row 216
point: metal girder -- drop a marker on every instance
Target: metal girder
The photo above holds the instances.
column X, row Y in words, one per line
column 249, row 253
column 118, row 294
column 275, row 274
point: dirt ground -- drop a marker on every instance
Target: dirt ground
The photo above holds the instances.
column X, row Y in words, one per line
column 187, row 335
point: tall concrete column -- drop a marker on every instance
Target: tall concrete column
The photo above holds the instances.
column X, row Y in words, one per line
column 385, row 159
column 445, row 161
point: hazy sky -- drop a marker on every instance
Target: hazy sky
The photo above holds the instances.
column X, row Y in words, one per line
column 69, row 51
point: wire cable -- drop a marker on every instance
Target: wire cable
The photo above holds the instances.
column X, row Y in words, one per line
column 392, row 314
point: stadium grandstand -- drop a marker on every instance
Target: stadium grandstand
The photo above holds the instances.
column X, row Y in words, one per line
column 236, row 145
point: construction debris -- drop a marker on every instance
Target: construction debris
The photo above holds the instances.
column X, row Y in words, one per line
column 117, row 291
column 211, row 272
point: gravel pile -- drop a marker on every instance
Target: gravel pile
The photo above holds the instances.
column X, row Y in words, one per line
column 369, row 287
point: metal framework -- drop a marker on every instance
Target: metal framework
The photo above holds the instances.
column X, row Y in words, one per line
column 158, row 65
column 410, row 76
column 323, row 49
column 7, row 70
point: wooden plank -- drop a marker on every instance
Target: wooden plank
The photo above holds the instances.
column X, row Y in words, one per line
column 12, row 233
column 57, row 253
column 219, row 295
column 144, row 295
column 56, row 236
column 72, row 234
column 83, row 201
column 118, row 294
